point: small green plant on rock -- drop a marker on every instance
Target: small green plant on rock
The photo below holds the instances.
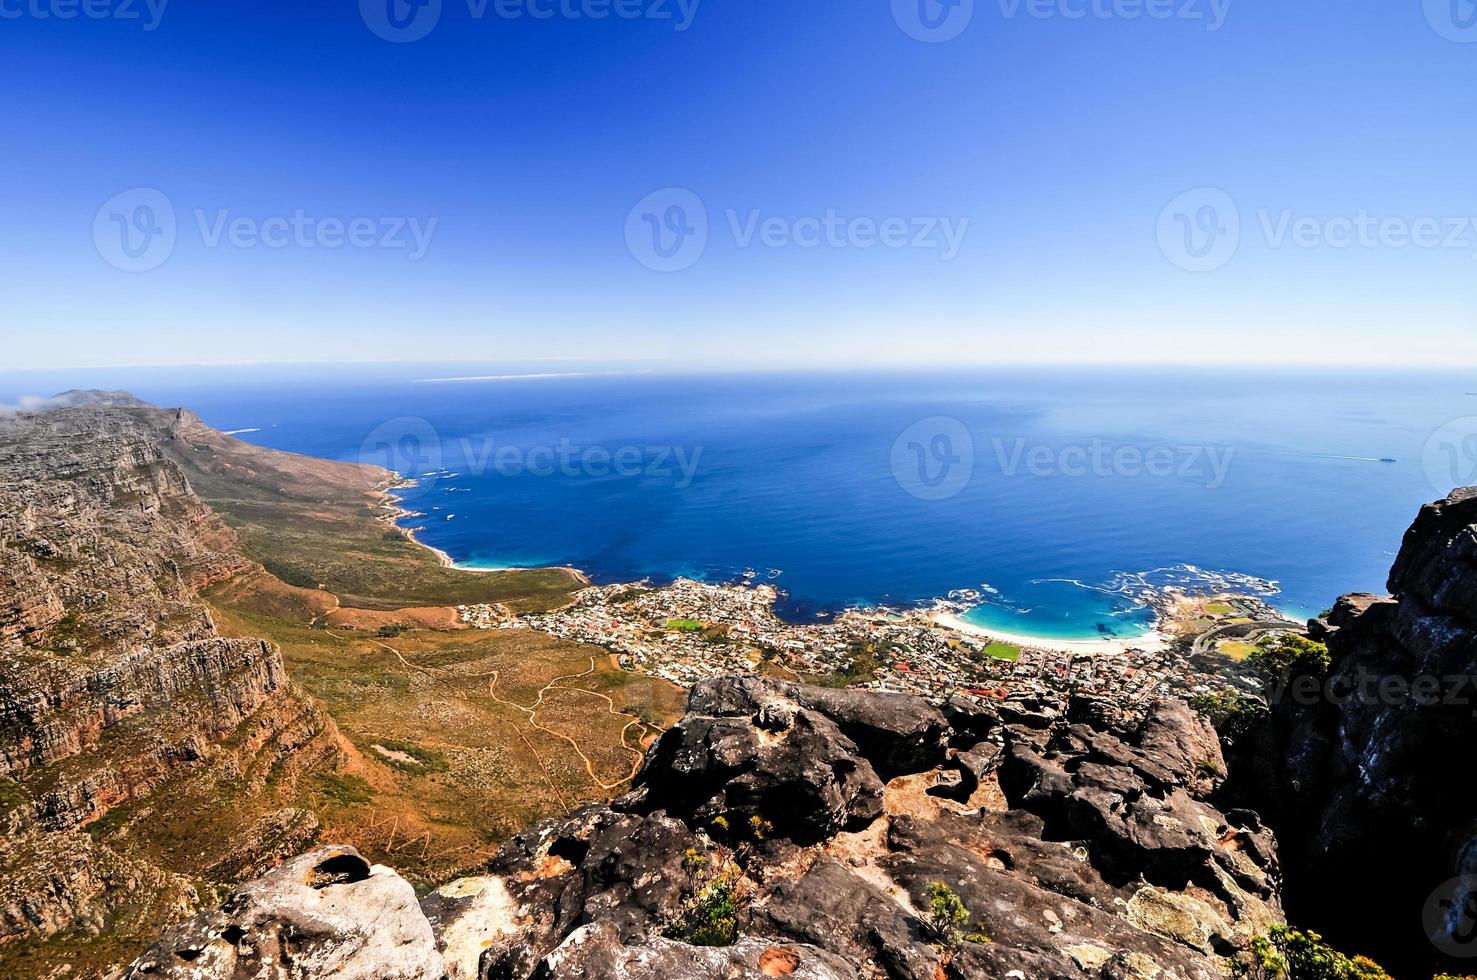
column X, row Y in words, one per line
column 1208, row 769
column 712, row 918
column 950, row 917
column 1285, row 953
column 1232, row 713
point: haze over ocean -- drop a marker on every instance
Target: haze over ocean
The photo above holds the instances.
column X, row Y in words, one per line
column 1059, row 490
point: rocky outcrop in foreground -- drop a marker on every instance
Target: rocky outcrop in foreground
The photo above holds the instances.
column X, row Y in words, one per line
column 1368, row 774
column 781, row 830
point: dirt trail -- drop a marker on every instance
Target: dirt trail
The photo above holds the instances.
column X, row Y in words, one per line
column 531, row 711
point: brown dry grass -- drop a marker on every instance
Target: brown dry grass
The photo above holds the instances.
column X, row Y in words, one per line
column 459, row 700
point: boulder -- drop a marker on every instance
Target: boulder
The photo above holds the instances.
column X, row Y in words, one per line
column 752, row 758
column 596, row 951
column 325, row 913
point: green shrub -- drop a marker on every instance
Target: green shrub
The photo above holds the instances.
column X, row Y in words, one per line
column 1285, row 953
column 712, row 919
column 1280, row 658
column 1208, row 769
column 1232, row 713
column 950, row 917
column 344, row 790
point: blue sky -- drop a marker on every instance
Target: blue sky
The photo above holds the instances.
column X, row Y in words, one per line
column 1047, row 144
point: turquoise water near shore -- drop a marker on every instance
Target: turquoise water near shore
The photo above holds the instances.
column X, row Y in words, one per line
column 1053, row 503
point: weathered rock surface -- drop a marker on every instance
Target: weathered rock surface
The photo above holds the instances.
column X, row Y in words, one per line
column 327, row 913
column 116, row 681
column 596, row 951
column 761, row 820
column 1368, row 778
column 55, row 881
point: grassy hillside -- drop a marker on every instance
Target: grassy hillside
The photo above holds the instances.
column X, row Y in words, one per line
column 316, row 524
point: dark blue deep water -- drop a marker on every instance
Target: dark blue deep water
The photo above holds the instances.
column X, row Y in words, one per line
column 1060, row 498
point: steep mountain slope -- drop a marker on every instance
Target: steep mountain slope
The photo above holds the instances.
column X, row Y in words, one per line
column 1368, row 776
column 117, row 686
column 154, row 750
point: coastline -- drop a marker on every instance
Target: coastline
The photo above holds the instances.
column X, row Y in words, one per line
column 394, row 513
column 1154, row 640
column 1150, row 642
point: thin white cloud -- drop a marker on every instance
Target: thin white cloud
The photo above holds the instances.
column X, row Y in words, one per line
column 27, row 403
column 518, row 377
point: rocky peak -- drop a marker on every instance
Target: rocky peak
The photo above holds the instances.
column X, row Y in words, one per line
column 93, row 398
column 1437, row 563
column 784, row 830
column 1368, row 781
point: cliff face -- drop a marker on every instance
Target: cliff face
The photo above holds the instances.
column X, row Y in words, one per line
column 781, row 830
column 1369, row 780
column 116, row 683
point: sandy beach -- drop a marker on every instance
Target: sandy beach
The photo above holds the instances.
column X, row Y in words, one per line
column 390, row 504
column 1151, row 641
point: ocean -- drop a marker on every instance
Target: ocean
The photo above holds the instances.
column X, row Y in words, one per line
column 1049, row 503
